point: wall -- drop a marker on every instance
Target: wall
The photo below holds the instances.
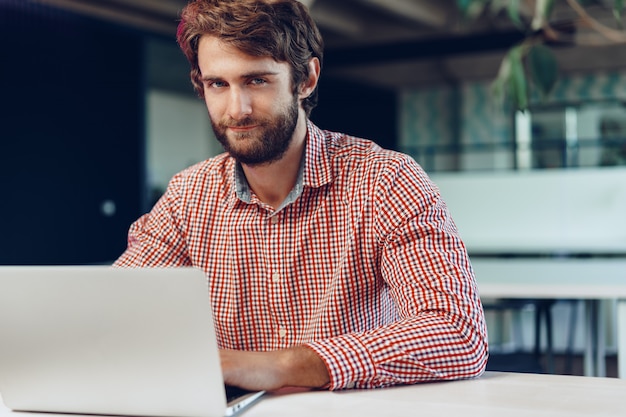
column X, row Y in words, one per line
column 357, row 109
column 71, row 137
column 178, row 134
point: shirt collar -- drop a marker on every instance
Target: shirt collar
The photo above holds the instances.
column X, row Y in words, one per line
column 315, row 168
column 317, row 161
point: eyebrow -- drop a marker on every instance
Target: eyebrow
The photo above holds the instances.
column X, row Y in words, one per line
column 243, row 76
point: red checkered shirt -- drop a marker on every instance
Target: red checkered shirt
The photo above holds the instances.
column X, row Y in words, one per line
column 363, row 264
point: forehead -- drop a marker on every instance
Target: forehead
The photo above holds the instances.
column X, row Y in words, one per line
column 219, row 59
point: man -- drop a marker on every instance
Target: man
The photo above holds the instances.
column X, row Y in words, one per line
column 330, row 261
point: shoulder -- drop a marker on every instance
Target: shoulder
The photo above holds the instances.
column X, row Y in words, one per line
column 350, row 154
column 393, row 181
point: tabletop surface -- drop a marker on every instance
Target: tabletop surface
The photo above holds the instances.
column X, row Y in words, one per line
column 493, row 394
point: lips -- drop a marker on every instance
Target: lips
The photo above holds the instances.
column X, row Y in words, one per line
column 242, row 128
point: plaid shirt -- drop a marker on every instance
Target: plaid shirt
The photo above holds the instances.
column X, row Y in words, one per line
column 363, row 263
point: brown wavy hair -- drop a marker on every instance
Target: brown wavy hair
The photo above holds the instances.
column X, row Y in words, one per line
column 281, row 29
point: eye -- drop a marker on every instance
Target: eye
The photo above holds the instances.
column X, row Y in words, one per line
column 258, row 81
column 214, row 84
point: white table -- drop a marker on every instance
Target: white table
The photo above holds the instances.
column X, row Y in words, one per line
column 495, row 394
column 590, row 279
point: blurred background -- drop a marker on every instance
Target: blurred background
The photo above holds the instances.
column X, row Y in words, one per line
column 97, row 110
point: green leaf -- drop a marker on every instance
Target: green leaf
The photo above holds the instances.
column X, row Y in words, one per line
column 518, row 87
column 543, row 68
column 499, row 84
column 514, row 13
column 618, row 9
column 472, row 8
column 464, row 5
column 511, row 79
column 548, row 6
column 543, row 10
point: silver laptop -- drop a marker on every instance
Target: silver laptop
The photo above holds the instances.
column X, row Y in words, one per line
column 102, row 340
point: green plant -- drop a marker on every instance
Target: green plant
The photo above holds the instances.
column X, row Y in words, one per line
column 532, row 61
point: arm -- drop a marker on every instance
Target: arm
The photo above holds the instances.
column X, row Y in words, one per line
column 294, row 367
column 440, row 333
column 156, row 238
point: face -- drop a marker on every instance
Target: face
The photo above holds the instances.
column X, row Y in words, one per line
column 252, row 105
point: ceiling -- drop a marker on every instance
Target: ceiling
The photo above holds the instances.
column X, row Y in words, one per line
column 386, row 43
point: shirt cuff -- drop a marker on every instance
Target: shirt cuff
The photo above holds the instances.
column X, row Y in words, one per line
column 349, row 363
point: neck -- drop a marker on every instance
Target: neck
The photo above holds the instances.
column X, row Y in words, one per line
column 273, row 182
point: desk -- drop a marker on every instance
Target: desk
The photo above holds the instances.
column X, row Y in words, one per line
column 590, row 279
column 495, row 394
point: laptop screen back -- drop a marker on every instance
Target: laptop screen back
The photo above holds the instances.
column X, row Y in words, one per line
column 102, row 340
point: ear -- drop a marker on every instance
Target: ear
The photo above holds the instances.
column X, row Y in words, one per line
column 311, row 82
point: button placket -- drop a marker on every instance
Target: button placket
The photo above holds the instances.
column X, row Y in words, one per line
column 276, row 281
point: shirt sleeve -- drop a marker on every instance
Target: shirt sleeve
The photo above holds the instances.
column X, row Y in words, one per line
column 441, row 333
column 157, row 239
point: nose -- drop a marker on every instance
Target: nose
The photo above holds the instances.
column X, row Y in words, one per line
column 239, row 104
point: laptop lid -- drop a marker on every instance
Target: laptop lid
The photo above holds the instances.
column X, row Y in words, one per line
column 103, row 340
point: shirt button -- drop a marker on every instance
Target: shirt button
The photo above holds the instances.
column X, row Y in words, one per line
column 276, row 277
column 274, row 219
column 282, row 332
column 350, row 385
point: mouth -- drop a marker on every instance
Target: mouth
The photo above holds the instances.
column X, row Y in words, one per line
column 242, row 129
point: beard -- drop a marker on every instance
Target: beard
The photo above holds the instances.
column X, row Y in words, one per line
column 269, row 141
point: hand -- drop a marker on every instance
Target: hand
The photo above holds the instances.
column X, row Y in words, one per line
column 294, row 367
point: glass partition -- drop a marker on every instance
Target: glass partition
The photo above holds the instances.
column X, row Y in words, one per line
column 586, row 134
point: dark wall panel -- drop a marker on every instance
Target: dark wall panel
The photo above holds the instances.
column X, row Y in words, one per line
column 357, row 109
column 71, row 136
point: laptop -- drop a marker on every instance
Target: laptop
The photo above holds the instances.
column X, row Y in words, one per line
column 104, row 340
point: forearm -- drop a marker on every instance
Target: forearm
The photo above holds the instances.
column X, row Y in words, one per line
column 294, row 367
column 432, row 347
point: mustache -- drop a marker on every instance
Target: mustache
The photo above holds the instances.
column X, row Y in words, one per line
column 241, row 123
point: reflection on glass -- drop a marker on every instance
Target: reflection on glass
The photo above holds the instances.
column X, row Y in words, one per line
column 612, row 134
column 574, row 135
